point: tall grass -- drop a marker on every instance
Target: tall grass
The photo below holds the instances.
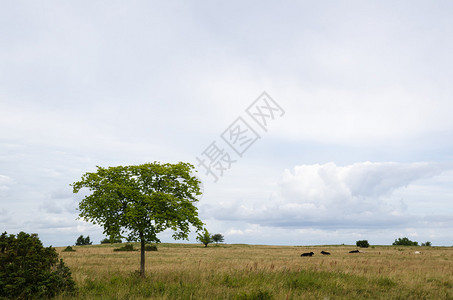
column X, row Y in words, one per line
column 187, row 271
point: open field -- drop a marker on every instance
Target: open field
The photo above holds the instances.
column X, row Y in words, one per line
column 190, row 271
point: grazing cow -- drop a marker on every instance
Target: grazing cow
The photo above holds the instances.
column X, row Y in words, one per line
column 325, row 253
column 354, row 251
column 307, row 254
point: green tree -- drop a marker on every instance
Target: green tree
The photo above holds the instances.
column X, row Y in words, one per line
column 217, row 238
column 404, row 242
column 138, row 202
column 427, row 244
column 28, row 270
column 81, row 241
column 362, row 244
column 205, row 237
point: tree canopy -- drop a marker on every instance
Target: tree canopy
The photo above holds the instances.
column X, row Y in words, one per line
column 140, row 201
column 81, row 241
column 205, row 237
column 404, row 242
column 218, row 238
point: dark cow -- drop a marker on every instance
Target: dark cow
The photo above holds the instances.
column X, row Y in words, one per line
column 354, row 251
column 325, row 253
column 307, row 254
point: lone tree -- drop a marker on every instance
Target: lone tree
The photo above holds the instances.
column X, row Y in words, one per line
column 138, row 202
column 404, row 242
column 205, row 238
column 217, row 238
column 362, row 244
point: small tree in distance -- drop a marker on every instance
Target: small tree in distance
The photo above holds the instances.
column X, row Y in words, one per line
column 362, row 244
column 427, row 244
column 81, row 241
column 404, row 242
column 217, row 238
column 205, row 238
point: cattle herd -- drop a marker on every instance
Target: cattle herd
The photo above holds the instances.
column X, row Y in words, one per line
column 327, row 253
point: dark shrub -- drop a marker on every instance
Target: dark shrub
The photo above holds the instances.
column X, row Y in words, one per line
column 127, row 247
column 362, row 244
column 404, row 242
column 69, row 249
column 150, row 248
column 29, row 270
column 109, row 241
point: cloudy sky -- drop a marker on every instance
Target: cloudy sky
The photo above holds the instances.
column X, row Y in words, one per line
column 358, row 136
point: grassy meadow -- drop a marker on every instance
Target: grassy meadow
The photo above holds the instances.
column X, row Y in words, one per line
column 190, row 271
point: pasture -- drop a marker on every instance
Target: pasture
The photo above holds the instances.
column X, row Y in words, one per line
column 191, row 271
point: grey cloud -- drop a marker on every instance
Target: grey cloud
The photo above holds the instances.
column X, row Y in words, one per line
column 377, row 179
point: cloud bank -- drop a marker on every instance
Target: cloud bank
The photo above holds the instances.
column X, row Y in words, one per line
column 360, row 195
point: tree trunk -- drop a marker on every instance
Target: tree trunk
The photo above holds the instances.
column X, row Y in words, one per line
column 142, row 256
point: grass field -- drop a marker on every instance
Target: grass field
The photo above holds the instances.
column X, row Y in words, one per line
column 190, row 271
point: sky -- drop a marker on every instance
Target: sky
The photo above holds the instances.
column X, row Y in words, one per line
column 331, row 119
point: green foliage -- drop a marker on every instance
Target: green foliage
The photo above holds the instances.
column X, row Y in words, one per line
column 81, row 241
column 217, row 238
column 69, row 249
column 404, row 242
column 362, row 244
column 111, row 241
column 142, row 201
column 426, row 244
column 205, row 237
column 127, row 247
column 29, row 270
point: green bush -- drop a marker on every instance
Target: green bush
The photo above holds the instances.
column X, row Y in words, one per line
column 362, row 244
column 404, row 242
column 127, row 247
column 108, row 241
column 150, row 248
column 427, row 244
column 28, row 270
column 69, row 249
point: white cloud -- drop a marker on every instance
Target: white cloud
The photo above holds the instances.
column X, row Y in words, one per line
column 330, row 196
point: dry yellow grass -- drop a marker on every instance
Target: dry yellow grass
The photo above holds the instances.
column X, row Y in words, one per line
column 264, row 272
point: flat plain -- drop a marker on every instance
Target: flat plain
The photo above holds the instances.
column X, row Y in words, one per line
column 237, row 271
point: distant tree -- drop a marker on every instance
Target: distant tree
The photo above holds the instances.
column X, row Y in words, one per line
column 217, row 238
column 142, row 201
column 205, row 238
column 81, row 241
column 362, row 244
column 426, row 244
column 28, row 270
column 404, row 242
